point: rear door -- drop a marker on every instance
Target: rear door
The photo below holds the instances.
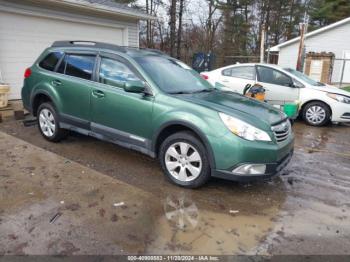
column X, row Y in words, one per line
column 118, row 114
column 278, row 85
column 237, row 77
column 73, row 82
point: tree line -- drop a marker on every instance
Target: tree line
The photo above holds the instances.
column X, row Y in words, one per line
column 231, row 29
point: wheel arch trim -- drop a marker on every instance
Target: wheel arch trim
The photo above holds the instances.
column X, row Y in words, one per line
column 191, row 127
column 38, row 93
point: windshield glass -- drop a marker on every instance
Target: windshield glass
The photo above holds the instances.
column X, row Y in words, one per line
column 303, row 77
column 172, row 76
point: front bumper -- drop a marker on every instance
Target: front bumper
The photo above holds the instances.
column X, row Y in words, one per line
column 272, row 169
column 231, row 152
column 340, row 112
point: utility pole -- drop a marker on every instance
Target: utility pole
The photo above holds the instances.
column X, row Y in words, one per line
column 301, row 48
column 262, row 44
column 303, row 27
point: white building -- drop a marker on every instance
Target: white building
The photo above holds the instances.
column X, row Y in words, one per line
column 333, row 38
column 27, row 27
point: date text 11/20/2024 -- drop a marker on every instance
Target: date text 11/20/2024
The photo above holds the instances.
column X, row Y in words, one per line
column 173, row 258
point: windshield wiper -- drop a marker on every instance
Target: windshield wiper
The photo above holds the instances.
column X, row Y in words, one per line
column 180, row 93
column 205, row 90
column 192, row 92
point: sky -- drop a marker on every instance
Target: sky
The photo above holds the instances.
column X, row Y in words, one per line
column 196, row 11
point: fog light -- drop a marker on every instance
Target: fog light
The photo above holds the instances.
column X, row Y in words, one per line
column 250, row 169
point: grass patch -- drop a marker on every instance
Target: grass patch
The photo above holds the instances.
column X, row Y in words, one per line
column 347, row 88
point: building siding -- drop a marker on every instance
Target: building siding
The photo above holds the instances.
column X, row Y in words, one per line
column 335, row 40
column 20, row 47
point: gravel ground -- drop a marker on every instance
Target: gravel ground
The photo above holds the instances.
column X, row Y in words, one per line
column 304, row 211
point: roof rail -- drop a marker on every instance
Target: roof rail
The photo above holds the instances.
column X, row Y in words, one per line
column 78, row 43
column 154, row 51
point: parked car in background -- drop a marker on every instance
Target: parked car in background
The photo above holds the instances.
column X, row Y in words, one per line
column 318, row 103
column 157, row 105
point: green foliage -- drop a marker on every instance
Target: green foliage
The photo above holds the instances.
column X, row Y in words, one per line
column 325, row 12
column 347, row 88
column 132, row 2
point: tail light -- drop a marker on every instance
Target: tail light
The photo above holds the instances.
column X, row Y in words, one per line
column 205, row 77
column 27, row 73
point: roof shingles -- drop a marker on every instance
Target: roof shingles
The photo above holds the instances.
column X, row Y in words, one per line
column 114, row 4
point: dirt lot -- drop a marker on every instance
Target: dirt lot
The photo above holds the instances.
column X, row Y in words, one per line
column 84, row 182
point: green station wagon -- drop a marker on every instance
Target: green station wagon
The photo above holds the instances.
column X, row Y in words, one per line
column 147, row 101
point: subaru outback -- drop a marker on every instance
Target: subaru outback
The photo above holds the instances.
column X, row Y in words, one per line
column 147, row 101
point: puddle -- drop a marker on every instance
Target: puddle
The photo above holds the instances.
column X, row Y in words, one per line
column 188, row 229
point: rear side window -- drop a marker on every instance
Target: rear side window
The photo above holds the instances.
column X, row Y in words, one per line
column 246, row 72
column 226, row 72
column 78, row 65
column 50, row 61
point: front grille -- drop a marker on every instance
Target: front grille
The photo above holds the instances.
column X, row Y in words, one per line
column 282, row 131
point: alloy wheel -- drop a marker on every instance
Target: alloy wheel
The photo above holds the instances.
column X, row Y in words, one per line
column 183, row 161
column 47, row 122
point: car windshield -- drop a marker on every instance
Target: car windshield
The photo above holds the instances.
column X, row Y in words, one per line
column 172, row 76
column 304, row 77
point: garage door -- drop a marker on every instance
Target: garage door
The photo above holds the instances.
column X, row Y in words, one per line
column 24, row 37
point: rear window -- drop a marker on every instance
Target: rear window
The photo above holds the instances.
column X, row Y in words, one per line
column 50, row 61
column 78, row 65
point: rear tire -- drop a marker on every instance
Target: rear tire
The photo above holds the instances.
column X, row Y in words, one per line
column 184, row 160
column 48, row 123
column 316, row 114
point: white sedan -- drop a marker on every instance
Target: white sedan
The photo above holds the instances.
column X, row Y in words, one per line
column 319, row 103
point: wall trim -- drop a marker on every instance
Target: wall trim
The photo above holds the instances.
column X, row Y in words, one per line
column 71, row 17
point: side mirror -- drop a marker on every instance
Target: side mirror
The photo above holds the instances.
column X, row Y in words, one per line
column 134, row 86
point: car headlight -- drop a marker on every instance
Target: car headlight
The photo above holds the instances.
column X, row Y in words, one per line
column 340, row 98
column 243, row 129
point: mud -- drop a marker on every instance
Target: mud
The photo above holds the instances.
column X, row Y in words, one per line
column 305, row 211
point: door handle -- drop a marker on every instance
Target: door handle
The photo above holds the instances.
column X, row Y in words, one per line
column 98, row 93
column 225, row 81
column 56, row 82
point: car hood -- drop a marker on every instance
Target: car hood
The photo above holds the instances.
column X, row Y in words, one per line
column 230, row 103
column 330, row 89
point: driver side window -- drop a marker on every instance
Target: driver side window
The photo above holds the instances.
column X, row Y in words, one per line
column 115, row 73
column 272, row 76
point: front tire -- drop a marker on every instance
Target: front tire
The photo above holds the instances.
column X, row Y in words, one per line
column 184, row 160
column 48, row 123
column 316, row 114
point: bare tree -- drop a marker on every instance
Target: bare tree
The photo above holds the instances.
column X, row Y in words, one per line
column 172, row 27
column 212, row 25
column 179, row 30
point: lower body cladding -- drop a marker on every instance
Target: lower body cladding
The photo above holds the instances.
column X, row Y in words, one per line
column 243, row 161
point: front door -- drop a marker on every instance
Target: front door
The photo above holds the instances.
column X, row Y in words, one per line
column 118, row 114
column 278, row 85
